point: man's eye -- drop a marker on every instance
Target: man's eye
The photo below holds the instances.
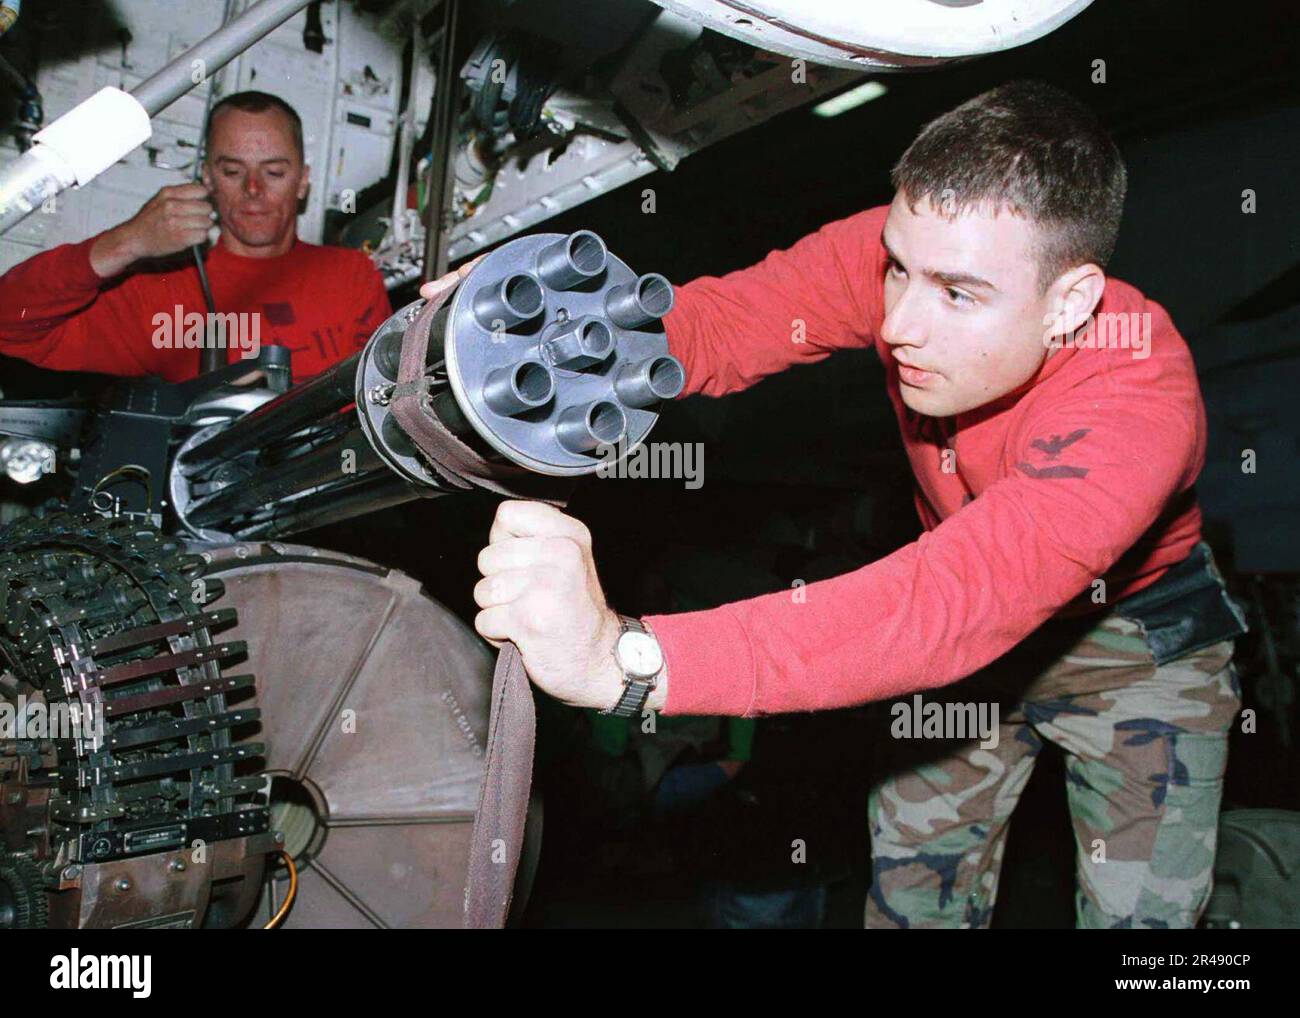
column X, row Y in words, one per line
column 230, row 173
column 893, row 268
column 276, row 175
column 957, row 296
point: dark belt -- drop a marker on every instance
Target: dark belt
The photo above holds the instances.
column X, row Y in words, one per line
column 1186, row 609
column 501, row 820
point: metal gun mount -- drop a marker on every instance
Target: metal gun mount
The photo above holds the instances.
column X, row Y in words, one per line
column 550, row 355
column 548, row 351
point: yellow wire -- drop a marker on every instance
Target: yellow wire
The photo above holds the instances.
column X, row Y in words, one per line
column 129, row 468
column 288, row 898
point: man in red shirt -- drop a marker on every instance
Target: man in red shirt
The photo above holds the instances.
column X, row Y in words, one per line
column 117, row 303
column 1054, row 423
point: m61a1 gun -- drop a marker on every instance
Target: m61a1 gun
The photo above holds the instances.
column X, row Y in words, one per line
column 142, row 783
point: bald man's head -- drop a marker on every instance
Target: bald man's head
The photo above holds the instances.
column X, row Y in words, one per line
column 255, row 170
column 257, row 102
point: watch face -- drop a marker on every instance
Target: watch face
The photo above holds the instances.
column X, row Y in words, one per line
column 639, row 654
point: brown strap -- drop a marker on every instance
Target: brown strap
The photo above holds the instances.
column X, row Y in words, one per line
column 456, row 463
column 502, row 814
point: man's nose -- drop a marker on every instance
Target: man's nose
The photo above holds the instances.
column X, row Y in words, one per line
column 903, row 324
column 252, row 185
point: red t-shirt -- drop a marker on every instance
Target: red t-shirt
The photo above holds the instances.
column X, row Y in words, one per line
column 323, row 303
column 1085, row 474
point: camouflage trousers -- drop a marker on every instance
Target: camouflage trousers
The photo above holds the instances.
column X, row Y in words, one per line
column 1145, row 750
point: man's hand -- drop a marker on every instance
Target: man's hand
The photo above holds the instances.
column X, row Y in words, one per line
column 540, row 590
column 177, row 217
column 436, row 291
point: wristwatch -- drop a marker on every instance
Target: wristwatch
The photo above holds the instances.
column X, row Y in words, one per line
column 642, row 659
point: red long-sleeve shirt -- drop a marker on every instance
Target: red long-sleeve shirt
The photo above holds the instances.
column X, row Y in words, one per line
column 1086, row 474
column 323, row 303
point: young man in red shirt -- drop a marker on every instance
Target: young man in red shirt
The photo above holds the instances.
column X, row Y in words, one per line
column 1054, row 423
column 117, row 303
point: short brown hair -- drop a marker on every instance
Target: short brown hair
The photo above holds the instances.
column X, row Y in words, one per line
column 257, row 102
column 1035, row 149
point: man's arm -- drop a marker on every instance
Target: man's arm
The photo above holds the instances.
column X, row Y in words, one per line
column 962, row 595
column 56, row 309
column 795, row 306
column 930, row 614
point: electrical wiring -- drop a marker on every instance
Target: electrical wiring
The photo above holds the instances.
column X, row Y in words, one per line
column 288, row 898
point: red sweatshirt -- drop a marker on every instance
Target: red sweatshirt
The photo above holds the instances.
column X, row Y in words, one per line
column 1087, row 473
column 323, row 303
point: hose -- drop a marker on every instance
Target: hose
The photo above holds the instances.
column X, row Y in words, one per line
column 288, row 898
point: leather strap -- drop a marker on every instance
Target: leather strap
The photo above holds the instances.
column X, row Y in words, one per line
column 503, row 797
column 454, row 461
column 502, row 814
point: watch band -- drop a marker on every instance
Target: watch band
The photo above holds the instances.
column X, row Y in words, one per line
column 629, row 622
column 635, row 691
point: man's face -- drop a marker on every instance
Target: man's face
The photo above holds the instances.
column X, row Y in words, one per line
column 964, row 312
column 256, row 176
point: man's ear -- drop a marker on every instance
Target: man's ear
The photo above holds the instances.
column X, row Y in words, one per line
column 1074, row 296
column 304, row 181
column 205, row 174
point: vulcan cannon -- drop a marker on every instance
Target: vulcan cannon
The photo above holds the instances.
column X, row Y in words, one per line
column 549, row 356
column 133, row 610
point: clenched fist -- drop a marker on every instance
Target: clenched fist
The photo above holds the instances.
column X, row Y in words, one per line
column 177, row 217
column 540, row 591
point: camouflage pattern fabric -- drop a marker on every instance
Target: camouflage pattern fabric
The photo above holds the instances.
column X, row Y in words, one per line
column 1145, row 748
